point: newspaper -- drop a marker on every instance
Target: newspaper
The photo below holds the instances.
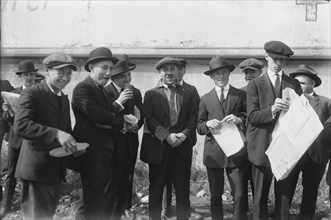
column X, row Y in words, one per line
column 11, row 98
column 228, row 138
column 294, row 132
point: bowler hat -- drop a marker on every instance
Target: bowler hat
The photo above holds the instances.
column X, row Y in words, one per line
column 277, row 49
column 127, row 59
column 166, row 60
column 251, row 63
column 182, row 62
column 217, row 63
column 99, row 54
column 59, row 60
column 307, row 71
column 25, row 66
column 120, row 67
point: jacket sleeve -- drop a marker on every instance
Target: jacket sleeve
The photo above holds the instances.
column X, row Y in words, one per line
column 141, row 107
column 202, row 118
column 191, row 124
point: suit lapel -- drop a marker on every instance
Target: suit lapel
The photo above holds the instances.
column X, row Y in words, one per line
column 231, row 100
column 214, row 100
column 50, row 96
column 164, row 102
column 180, row 97
column 267, row 87
column 314, row 101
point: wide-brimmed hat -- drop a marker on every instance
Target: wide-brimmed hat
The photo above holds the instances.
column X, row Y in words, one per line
column 277, row 49
column 251, row 63
column 121, row 67
column 127, row 59
column 59, row 60
column 217, row 63
column 307, row 71
column 25, row 66
column 99, row 54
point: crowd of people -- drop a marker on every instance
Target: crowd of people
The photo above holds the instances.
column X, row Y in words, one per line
column 109, row 111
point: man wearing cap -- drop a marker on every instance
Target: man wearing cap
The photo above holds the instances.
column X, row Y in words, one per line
column 264, row 104
column 97, row 122
column 171, row 115
column 223, row 104
column 252, row 68
column 313, row 163
column 127, row 139
column 27, row 73
column 43, row 121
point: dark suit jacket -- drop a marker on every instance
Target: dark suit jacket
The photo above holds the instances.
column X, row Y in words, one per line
column 37, row 120
column 210, row 108
column 97, row 121
column 319, row 151
column 14, row 141
column 5, row 87
column 158, row 123
column 260, row 98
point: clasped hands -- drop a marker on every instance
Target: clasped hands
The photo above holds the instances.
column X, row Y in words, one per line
column 217, row 124
column 68, row 143
column 175, row 139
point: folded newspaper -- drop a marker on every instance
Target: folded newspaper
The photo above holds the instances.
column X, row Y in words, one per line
column 295, row 130
column 11, row 98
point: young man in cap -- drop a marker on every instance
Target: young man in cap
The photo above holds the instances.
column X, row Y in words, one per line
column 264, row 103
column 171, row 115
column 313, row 163
column 43, row 120
column 252, row 68
column 224, row 103
column 27, row 73
column 97, row 123
column 127, row 139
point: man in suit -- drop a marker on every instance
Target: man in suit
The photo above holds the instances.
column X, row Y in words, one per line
column 167, row 192
column 43, row 121
column 97, row 122
column 264, row 104
column 171, row 116
column 313, row 163
column 251, row 68
column 327, row 141
column 27, row 73
column 128, row 138
column 222, row 105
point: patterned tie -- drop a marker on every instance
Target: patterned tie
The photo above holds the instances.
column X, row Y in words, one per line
column 277, row 86
column 172, row 106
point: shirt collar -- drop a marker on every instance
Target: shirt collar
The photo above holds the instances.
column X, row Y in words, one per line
column 225, row 88
column 58, row 94
column 117, row 87
column 181, row 82
column 273, row 74
column 167, row 87
column 23, row 87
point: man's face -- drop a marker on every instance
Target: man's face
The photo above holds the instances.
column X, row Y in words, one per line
column 28, row 78
column 169, row 74
column 275, row 64
column 181, row 72
column 221, row 77
column 307, row 84
column 251, row 74
column 100, row 71
column 59, row 78
column 122, row 79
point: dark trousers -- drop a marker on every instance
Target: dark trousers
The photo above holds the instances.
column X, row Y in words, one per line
column 312, row 174
column 167, row 195
column 10, row 181
column 179, row 167
column 249, row 178
column 262, row 178
column 39, row 201
column 237, row 180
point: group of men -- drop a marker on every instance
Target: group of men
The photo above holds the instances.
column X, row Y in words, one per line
column 109, row 111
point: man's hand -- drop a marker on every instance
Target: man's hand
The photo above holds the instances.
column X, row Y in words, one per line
column 67, row 142
column 132, row 127
column 232, row 119
column 279, row 105
column 7, row 107
column 214, row 124
column 125, row 95
column 182, row 137
column 173, row 140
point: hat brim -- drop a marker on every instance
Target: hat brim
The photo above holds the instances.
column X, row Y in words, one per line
column 73, row 66
column 229, row 67
column 274, row 55
column 20, row 72
column 97, row 59
column 317, row 80
column 249, row 67
column 130, row 69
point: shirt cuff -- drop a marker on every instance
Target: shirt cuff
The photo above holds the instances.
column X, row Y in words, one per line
column 120, row 104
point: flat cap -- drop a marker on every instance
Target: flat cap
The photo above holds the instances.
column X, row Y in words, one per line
column 277, row 49
column 59, row 60
column 182, row 62
column 251, row 63
column 166, row 60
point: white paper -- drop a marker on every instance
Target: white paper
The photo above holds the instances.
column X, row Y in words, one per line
column 228, row 138
column 293, row 134
column 11, row 98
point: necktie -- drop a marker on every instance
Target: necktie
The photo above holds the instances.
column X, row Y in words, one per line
column 222, row 98
column 277, row 86
column 172, row 103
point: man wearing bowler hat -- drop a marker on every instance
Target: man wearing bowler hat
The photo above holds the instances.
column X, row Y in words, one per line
column 223, row 104
column 313, row 163
column 98, row 121
column 171, row 115
column 42, row 119
column 252, row 68
column 133, row 111
column 27, row 73
column 264, row 103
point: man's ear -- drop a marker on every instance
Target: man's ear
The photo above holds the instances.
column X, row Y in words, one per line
column 266, row 56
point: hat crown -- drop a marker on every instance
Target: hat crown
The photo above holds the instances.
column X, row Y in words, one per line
column 251, row 62
column 166, row 60
column 120, row 67
column 182, row 62
column 217, row 62
column 57, row 59
column 26, row 66
column 126, row 58
column 278, row 49
column 306, row 69
column 100, row 52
